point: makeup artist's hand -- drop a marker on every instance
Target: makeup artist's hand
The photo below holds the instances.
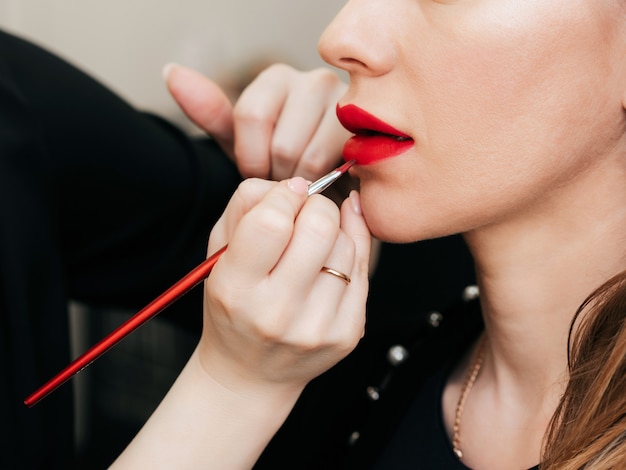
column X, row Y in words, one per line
column 272, row 318
column 272, row 322
column 283, row 124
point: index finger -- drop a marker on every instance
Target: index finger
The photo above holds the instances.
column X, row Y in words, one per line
column 263, row 233
column 255, row 115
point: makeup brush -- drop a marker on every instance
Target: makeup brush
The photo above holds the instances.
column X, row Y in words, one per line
column 190, row 280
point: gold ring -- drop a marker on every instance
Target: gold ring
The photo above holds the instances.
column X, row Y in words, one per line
column 344, row 277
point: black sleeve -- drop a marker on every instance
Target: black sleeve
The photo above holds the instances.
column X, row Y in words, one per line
column 99, row 203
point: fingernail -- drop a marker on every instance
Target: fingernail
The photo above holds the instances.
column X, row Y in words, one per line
column 167, row 69
column 355, row 200
column 298, row 185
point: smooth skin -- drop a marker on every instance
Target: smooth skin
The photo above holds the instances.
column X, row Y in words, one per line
column 517, row 111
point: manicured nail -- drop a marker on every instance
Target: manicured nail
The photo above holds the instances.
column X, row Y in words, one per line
column 298, row 185
column 167, row 69
column 355, row 200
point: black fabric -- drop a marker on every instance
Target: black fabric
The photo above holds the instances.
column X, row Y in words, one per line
column 335, row 407
column 99, row 203
column 421, row 440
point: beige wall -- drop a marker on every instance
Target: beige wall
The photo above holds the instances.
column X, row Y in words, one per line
column 125, row 43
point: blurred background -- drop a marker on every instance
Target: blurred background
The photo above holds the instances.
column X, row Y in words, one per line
column 125, row 44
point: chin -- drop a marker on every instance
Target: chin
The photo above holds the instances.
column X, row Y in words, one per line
column 396, row 237
column 402, row 224
column 388, row 227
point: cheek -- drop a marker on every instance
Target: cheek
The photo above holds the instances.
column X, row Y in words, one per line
column 514, row 70
column 503, row 99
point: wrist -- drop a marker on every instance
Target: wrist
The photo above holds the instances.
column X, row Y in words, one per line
column 203, row 423
column 241, row 389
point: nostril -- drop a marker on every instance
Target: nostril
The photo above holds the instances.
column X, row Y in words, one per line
column 351, row 61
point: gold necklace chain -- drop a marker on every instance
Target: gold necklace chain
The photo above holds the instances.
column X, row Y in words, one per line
column 467, row 386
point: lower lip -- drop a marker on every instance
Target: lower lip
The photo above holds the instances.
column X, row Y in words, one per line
column 366, row 150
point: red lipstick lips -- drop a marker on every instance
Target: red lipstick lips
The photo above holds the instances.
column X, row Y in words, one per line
column 374, row 140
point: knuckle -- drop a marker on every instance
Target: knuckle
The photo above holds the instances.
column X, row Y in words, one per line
column 249, row 189
column 277, row 68
column 322, row 224
column 310, row 338
column 222, row 295
column 269, row 333
column 311, row 344
column 271, row 329
column 316, row 166
column 273, row 220
column 251, row 115
column 349, row 340
column 284, row 150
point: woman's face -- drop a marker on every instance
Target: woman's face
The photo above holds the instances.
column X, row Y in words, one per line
column 506, row 102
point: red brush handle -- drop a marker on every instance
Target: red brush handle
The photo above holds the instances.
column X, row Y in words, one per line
column 177, row 290
column 193, row 278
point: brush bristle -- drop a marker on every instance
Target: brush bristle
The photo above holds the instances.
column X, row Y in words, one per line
column 346, row 166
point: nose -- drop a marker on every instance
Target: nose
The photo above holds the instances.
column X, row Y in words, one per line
column 359, row 39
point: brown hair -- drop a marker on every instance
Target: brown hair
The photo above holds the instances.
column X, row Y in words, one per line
column 588, row 429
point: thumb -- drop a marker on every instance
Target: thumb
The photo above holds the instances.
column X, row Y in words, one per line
column 203, row 102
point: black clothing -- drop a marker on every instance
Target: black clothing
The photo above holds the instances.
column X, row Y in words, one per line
column 421, row 440
column 110, row 206
column 346, row 418
column 99, row 203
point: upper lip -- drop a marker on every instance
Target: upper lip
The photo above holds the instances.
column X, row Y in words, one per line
column 359, row 121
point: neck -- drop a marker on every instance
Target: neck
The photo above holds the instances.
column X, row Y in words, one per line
column 534, row 271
